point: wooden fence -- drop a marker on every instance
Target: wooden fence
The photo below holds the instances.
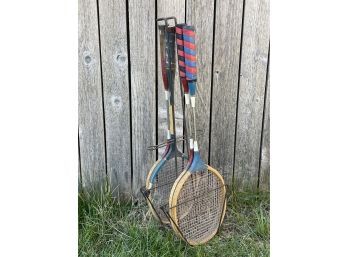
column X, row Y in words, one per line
column 121, row 98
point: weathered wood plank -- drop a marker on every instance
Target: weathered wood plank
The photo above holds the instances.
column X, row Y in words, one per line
column 251, row 93
column 91, row 124
column 264, row 182
column 201, row 15
column 79, row 166
column 166, row 8
column 143, row 73
column 113, row 35
column 228, row 23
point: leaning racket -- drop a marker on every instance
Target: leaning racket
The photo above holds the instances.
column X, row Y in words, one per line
column 184, row 88
column 164, row 172
column 197, row 200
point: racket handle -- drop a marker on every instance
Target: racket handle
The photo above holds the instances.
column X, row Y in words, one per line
column 181, row 60
column 190, row 53
column 161, row 29
column 190, row 60
column 170, row 53
column 192, row 88
column 181, row 55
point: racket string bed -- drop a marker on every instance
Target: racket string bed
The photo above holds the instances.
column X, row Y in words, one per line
column 199, row 208
column 203, row 217
column 158, row 195
column 164, row 172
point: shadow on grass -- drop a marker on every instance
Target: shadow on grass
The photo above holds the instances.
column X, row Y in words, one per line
column 108, row 227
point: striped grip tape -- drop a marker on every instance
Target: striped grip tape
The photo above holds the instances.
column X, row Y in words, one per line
column 181, row 56
column 190, row 52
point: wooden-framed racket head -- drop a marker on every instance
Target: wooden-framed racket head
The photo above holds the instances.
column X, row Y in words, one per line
column 205, row 212
column 197, row 200
column 160, row 179
column 147, row 184
column 189, row 162
column 164, row 172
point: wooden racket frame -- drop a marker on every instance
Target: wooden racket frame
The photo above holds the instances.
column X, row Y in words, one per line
column 148, row 199
column 173, row 201
column 171, row 128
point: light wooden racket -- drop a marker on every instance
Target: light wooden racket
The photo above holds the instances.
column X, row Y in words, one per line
column 197, row 200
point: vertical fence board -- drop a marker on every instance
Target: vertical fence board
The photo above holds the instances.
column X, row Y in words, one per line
column 113, row 35
column 79, row 177
column 166, row 8
column 91, row 124
column 264, row 184
column 201, row 15
column 228, row 23
column 251, row 93
column 79, row 166
column 143, row 72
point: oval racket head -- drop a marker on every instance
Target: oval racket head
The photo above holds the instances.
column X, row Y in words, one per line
column 189, row 162
column 160, row 180
column 197, row 205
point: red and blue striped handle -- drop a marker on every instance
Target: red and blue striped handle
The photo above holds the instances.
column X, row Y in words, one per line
column 181, row 56
column 190, row 57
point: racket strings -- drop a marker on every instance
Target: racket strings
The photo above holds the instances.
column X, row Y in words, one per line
column 200, row 204
column 162, row 186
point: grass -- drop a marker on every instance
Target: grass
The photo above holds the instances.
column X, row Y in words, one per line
column 108, row 227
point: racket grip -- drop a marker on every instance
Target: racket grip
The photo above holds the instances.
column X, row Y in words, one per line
column 180, row 49
column 170, row 52
column 181, row 60
column 189, row 35
column 161, row 29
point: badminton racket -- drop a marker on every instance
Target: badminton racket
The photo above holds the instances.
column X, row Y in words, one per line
column 197, row 199
column 164, row 172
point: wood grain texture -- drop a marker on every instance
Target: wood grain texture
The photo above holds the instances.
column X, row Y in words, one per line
column 79, row 166
column 166, row 8
column 227, row 38
column 113, row 35
column 142, row 38
column 201, row 15
column 251, row 93
column 91, row 124
column 264, row 183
